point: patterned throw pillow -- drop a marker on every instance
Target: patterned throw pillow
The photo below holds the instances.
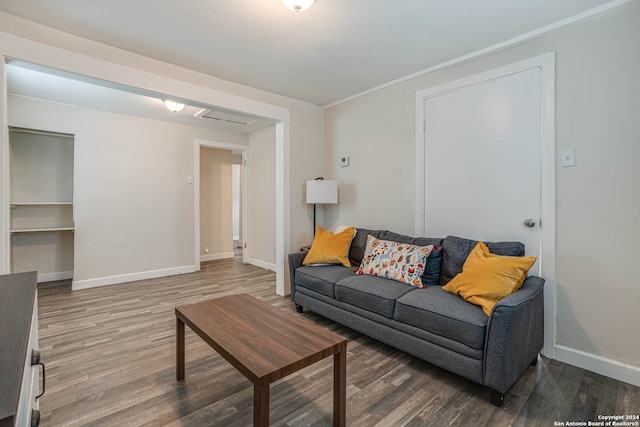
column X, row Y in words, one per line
column 392, row 260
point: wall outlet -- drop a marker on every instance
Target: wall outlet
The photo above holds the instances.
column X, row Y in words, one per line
column 344, row 161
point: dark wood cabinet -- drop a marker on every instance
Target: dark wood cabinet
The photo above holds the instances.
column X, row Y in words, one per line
column 19, row 356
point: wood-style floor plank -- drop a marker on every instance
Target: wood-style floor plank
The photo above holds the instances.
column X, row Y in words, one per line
column 110, row 361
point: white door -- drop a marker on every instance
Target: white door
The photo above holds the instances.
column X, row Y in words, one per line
column 483, row 160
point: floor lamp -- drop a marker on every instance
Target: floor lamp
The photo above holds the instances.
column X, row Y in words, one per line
column 321, row 191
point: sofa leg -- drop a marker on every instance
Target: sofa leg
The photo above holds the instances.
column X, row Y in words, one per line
column 534, row 362
column 497, row 398
column 299, row 308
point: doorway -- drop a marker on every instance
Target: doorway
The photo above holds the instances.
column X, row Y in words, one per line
column 220, row 193
column 219, row 213
column 475, row 134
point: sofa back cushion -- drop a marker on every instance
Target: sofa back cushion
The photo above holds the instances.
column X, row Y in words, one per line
column 455, row 251
column 359, row 244
column 431, row 274
column 401, row 238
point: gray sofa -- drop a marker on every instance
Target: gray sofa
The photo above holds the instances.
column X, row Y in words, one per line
column 429, row 323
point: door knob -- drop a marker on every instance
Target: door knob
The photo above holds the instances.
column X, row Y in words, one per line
column 529, row 222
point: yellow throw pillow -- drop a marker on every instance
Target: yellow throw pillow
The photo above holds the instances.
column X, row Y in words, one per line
column 329, row 248
column 486, row 278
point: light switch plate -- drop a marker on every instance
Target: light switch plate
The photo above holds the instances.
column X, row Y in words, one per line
column 568, row 157
column 344, row 161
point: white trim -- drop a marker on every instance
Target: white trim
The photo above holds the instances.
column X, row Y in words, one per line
column 52, row 277
column 546, row 63
column 548, row 197
column 491, row 49
column 263, row 264
column 131, row 277
column 221, row 145
column 215, row 257
column 5, row 213
column 282, row 204
column 600, row 365
column 197, row 145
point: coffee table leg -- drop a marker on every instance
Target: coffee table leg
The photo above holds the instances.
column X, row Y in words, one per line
column 340, row 387
column 179, row 349
column 261, row 405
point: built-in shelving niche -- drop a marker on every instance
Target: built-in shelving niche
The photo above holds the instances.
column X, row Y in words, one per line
column 42, row 219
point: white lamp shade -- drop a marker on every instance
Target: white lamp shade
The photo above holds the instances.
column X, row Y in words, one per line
column 322, row 191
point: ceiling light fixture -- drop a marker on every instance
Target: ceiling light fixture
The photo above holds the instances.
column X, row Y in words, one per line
column 298, row 5
column 173, row 106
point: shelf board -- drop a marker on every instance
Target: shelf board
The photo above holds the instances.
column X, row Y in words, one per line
column 38, row 230
column 40, row 203
column 40, row 132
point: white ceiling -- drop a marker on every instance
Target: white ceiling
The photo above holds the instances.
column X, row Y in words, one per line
column 334, row 50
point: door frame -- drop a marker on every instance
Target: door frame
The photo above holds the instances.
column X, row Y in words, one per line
column 198, row 144
column 546, row 64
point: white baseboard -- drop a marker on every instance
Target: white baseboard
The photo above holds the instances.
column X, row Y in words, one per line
column 214, row 257
column 123, row 278
column 598, row 364
column 262, row 264
column 52, row 277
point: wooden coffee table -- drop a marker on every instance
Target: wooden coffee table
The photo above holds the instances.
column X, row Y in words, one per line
column 265, row 344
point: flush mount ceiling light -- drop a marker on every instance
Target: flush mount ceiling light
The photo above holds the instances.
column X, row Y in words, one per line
column 298, row 5
column 173, row 106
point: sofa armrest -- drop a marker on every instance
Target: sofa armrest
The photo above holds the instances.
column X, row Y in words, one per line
column 295, row 261
column 515, row 335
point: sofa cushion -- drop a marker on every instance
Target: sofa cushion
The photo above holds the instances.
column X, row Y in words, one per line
column 372, row 293
column 455, row 251
column 444, row 314
column 418, row 241
column 322, row 278
column 359, row 243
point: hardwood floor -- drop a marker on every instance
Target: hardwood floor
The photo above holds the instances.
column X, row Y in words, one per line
column 110, row 361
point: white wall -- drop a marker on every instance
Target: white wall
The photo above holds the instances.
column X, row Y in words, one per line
column 306, row 163
column 597, row 110
column 216, row 222
column 133, row 203
column 376, row 189
column 261, row 189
